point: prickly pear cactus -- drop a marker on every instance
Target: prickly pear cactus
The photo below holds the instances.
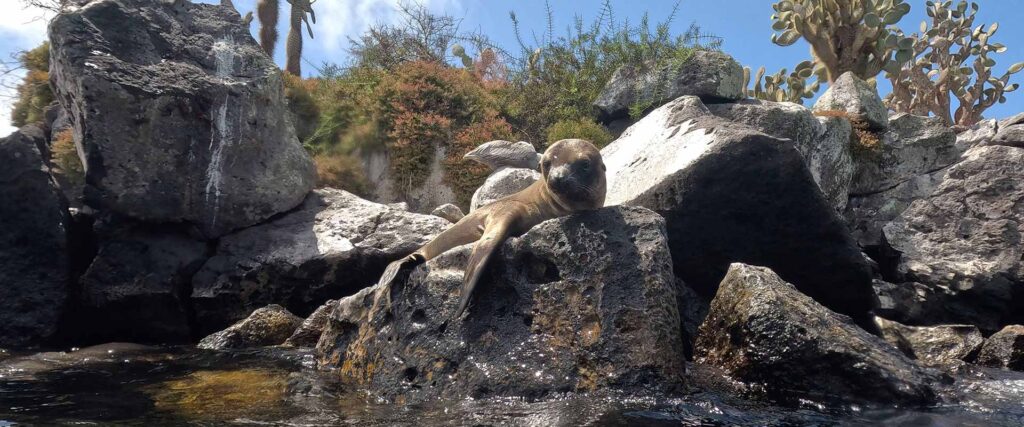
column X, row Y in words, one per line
column 845, row 35
column 779, row 87
column 951, row 58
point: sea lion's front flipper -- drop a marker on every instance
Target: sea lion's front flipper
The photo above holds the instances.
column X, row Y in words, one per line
column 467, row 230
column 494, row 236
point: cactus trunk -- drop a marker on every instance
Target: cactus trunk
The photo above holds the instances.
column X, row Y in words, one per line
column 268, row 14
column 294, row 44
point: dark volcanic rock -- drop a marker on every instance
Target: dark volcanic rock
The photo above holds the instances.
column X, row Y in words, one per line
column 824, row 142
column 579, row 303
column 138, row 286
column 966, row 238
column 912, row 303
column 762, row 331
column 180, row 114
column 942, row 345
column 333, row 245
column 34, row 256
column 270, row 325
column 710, row 75
column 1004, row 349
column 732, row 194
column 913, row 146
column 310, row 330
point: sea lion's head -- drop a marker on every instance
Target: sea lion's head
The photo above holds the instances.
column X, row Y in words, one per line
column 574, row 172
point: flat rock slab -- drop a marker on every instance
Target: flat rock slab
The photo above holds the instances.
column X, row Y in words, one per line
column 332, row 246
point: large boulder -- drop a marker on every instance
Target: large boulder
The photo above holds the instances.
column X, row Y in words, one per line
column 854, row 97
column 1004, row 349
column 333, row 245
column 909, row 164
column 732, row 194
column 913, row 146
column 941, row 345
column 1010, row 136
column 762, row 331
column 270, row 325
column 965, row 237
column 502, row 183
column 707, row 74
column 578, row 303
column 824, row 142
column 912, row 303
column 34, row 251
column 137, row 288
column 180, row 114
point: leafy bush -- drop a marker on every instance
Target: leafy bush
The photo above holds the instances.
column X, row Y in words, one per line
column 303, row 108
column 341, row 171
column 424, row 105
column 33, row 94
column 579, row 128
column 561, row 77
column 951, row 58
column 64, row 155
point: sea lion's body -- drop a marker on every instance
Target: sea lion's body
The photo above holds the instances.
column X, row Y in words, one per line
column 572, row 180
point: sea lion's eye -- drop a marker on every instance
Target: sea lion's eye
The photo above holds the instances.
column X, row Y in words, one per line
column 585, row 165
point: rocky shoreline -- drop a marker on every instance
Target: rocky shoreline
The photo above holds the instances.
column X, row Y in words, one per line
column 763, row 240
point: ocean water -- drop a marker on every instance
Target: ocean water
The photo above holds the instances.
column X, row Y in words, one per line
column 125, row 384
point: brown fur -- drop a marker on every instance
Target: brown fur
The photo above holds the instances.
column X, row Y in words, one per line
column 559, row 192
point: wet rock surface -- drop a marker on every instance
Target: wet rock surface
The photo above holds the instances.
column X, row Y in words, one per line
column 709, row 75
column 942, row 345
column 732, row 194
column 1004, row 349
column 579, row 303
column 855, row 97
column 504, row 182
column 965, row 238
column 762, row 331
column 179, row 113
column 270, row 325
column 34, row 248
column 333, row 245
column 310, row 330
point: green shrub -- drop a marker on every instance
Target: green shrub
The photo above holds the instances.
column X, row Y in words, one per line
column 341, row 171
column 33, row 94
column 561, row 78
column 580, row 128
column 64, row 155
column 304, row 110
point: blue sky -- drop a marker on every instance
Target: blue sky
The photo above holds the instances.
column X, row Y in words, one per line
column 744, row 25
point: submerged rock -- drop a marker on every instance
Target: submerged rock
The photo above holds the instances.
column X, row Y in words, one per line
column 334, row 244
column 578, row 303
column 180, row 115
column 137, row 287
column 1004, row 349
column 34, row 250
column 502, row 183
column 942, row 345
column 965, row 238
column 853, row 96
column 762, row 331
column 310, row 330
column 270, row 325
column 707, row 74
column 732, row 194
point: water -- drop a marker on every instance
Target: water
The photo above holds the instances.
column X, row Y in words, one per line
column 125, row 384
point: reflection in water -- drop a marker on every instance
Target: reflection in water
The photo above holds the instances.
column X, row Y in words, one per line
column 137, row 385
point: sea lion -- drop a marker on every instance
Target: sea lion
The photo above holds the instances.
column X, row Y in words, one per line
column 572, row 180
